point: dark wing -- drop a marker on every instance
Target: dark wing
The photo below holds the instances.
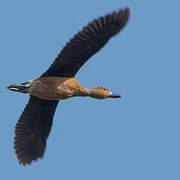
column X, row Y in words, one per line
column 33, row 129
column 86, row 43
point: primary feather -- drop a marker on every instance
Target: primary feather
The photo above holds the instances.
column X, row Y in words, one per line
column 86, row 43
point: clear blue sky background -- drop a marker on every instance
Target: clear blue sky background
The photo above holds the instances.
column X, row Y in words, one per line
column 136, row 137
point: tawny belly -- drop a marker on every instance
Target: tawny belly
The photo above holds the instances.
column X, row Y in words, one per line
column 53, row 95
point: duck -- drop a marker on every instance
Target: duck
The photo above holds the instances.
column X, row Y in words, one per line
column 59, row 83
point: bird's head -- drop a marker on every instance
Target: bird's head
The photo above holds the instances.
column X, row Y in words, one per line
column 102, row 93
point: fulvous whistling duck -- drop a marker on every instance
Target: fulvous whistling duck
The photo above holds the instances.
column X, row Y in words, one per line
column 58, row 83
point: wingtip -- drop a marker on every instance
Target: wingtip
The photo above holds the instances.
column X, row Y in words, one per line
column 25, row 161
column 127, row 10
column 124, row 12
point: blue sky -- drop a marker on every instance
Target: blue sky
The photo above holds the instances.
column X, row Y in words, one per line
column 135, row 137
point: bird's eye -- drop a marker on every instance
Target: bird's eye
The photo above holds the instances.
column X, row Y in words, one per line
column 103, row 88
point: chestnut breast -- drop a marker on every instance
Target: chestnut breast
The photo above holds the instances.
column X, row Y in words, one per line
column 56, row 88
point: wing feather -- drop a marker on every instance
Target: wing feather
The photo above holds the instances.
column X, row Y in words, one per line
column 86, row 43
column 33, row 128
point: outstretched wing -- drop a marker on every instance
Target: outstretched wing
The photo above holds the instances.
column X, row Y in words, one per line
column 86, row 43
column 33, row 129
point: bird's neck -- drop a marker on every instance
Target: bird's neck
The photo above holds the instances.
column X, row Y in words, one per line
column 94, row 93
column 82, row 92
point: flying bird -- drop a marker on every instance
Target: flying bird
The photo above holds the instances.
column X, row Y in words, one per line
column 59, row 83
